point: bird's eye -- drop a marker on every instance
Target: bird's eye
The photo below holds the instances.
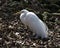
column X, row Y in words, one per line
column 22, row 11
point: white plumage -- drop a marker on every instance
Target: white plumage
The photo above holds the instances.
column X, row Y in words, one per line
column 36, row 25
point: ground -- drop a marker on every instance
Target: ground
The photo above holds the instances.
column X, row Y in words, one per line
column 13, row 34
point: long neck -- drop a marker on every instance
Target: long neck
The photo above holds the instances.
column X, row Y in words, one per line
column 22, row 17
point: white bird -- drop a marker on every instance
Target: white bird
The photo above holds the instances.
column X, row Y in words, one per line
column 35, row 24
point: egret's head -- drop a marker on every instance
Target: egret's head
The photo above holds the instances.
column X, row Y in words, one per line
column 24, row 11
column 20, row 12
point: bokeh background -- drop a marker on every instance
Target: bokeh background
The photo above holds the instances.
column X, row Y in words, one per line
column 13, row 34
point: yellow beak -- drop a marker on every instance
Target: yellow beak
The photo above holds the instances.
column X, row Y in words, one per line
column 17, row 13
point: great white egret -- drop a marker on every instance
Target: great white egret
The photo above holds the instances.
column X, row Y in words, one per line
column 35, row 24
